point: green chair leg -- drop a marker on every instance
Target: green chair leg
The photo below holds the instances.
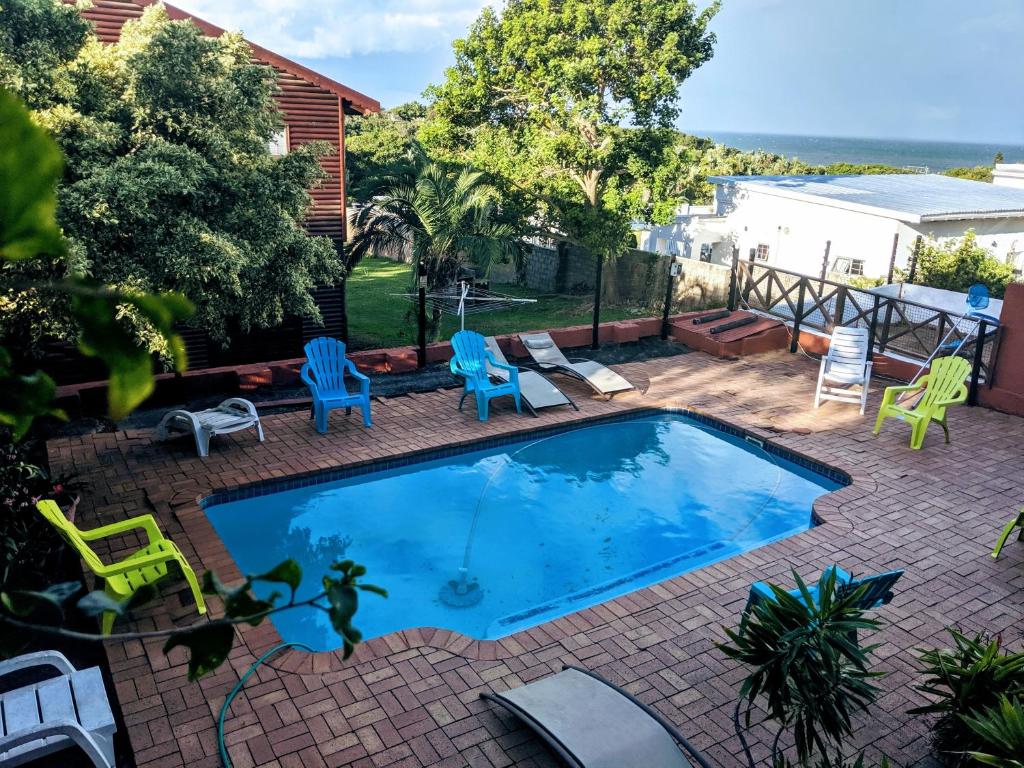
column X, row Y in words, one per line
column 1017, row 522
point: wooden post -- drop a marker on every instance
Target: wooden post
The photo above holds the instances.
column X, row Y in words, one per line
column 824, row 264
column 873, row 328
column 979, row 353
column 421, row 321
column 734, row 279
column 595, row 342
column 672, row 267
column 751, row 256
column 838, row 315
column 913, row 258
column 885, row 324
column 892, row 258
column 795, row 343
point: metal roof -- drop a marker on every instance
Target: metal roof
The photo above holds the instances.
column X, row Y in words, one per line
column 912, row 197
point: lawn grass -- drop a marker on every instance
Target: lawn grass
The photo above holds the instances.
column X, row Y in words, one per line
column 379, row 319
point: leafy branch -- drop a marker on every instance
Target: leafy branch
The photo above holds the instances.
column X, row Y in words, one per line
column 209, row 642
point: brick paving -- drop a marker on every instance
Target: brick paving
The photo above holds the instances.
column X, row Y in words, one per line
column 411, row 698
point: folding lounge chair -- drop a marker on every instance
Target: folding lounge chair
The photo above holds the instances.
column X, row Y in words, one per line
column 846, row 365
column 45, row 717
column 537, row 390
column 943, row 386
column 123, row 579
column 879, row 591
column 592, row 723
column 232, row 415
column 548, row 356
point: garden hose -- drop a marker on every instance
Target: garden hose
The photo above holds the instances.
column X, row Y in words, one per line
column 237, row 689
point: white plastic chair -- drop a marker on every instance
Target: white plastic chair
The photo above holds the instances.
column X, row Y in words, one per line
column 45, row 717
column 845, row 366
column 232, row 415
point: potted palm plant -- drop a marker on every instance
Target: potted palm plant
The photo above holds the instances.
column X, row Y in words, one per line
column 808, row 674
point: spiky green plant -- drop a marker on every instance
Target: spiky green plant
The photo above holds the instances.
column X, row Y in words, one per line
column 1001, row 729
column 965, row 680
column 809, row 672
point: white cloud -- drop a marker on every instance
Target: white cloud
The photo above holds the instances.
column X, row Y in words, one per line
column 320, row 29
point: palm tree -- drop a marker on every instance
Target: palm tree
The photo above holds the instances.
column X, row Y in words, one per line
column 446, row 219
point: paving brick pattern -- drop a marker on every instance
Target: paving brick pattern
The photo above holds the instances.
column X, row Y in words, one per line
column 411, row 698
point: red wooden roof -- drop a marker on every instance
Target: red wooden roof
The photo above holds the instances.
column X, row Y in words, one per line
column 110, row 15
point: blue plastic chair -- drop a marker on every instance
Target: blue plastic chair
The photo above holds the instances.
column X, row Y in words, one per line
column 470, row 363
column 324, row 373
column 878, row 592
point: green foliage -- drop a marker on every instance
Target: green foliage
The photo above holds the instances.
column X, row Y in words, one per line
column 445, row 219
column 29, row 158
column 28, row 545
column 169, row 185
column 957, row 264
column 977, row 173
column 1001, row 730
column 539, row 96
column 965, row 680
column 29, row 164
column 809, row 673
column 380, row 144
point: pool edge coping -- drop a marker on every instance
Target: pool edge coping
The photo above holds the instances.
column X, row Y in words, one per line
column 827, row 511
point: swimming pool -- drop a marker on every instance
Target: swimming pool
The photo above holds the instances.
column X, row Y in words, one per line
column 490, row 541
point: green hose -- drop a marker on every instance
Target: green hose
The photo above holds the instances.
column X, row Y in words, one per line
column 238, row 687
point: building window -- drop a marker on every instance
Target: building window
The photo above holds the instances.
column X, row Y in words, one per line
column 661, row 245
column 705, row 252
column 761, row 253
column 845, row 266
column 278, row 144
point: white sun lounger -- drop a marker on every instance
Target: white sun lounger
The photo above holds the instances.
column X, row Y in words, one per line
column 548, row 356
column 536, row 390
column 46, row 717
column 591, row 723
column 232, row 415
column 845, row 366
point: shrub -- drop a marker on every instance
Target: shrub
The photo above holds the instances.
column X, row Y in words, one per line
column 957, row 264
column 809, row 672
column 1001, row 729
column 966, row 680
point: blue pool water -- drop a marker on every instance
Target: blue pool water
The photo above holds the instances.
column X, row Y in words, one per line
column 543, row 527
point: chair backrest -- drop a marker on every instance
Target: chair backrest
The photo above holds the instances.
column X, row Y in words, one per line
column 326, row 358
column 848, row 350
column 543, row 349
column 944, row 378
column 471, row 354
column 977, row 296
column 69, row 532
column 878, row 588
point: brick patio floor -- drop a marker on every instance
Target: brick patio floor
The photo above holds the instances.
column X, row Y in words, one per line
column 411, row 698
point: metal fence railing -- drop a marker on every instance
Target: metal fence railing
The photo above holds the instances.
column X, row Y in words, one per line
column 905, row 328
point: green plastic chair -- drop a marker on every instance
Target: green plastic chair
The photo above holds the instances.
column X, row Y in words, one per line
column 124, row 578
column 1016, row 522
column 943, row 386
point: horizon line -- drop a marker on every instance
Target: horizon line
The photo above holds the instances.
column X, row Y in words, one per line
column 1019, row 144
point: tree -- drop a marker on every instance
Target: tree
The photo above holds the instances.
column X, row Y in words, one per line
column 998, row 158
column 168, row 184
column 958, row 264
column 379, row 144
column 541, row 93
column 30, row 164
column 445, row 218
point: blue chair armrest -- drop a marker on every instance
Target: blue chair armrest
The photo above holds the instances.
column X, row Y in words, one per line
column 453, row 366
column 306, row 375
column 760, row 590
column 842, row 577
column 355, row 372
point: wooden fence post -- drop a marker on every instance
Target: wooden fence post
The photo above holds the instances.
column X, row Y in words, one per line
column 795, row 343
column 734, row 278
column 873, row 330
column 913, row 258
column 979, row 353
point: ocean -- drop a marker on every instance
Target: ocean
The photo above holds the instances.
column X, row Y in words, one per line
column 822, row 150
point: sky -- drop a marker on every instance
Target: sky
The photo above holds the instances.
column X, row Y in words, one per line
column 948, row 70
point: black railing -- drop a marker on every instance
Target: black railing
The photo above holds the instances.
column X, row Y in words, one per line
column 897, row 326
